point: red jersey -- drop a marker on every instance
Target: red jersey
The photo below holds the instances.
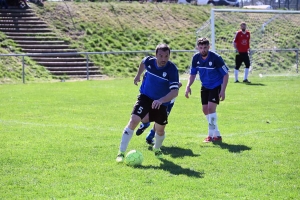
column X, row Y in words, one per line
column 242, row 41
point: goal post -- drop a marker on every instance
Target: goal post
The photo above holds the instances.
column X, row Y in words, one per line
column 273, row 12
column 275, row 38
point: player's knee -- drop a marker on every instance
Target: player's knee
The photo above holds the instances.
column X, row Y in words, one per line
column 134, row 121
column 237, row 68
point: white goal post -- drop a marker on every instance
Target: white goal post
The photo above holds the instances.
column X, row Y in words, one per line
column 275, row 38
column 214, row 11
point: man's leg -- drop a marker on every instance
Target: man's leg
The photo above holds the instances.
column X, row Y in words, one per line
column 237, row 67
column 127, row 135
column 247, row 64
column 159, row 138
column 150, row 136
column 143, row 126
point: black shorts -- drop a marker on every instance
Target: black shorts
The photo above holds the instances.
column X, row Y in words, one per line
column 240, row 58
column 143, row 106
column 210, row 95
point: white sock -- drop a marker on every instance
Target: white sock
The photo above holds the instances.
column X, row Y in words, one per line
column 236, row 74
column 127, row 135
column 246, row 73
column 159, row 140
column 212, row 124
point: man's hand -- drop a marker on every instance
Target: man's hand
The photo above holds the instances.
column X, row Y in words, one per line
column 156, row 104
column 136, row 80
column 179, row 85
column 188, row 91
column 222, row 96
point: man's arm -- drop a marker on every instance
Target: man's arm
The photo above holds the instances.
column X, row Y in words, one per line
column 171, row 95
column 223, row 87
column 137, row 77
column 234, row 41
column 188, row 86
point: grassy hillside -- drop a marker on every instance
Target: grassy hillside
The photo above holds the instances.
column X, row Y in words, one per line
column 123, row 26
column 96, row 27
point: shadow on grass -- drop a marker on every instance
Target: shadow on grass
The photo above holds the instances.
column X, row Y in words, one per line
column 174, row 169
column 255, row 84
column 176, row 152
column 233, row 148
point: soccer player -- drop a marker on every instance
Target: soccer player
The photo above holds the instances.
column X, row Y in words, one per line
column 213, row 74
column 159, row 87
column 145, row 125
column 241, row 43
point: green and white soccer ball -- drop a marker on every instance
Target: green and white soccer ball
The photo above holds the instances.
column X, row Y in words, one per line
column 134, row 158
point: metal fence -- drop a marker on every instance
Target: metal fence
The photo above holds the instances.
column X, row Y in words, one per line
column 282, row 61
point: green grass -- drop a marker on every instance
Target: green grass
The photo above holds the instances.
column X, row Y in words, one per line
column 59, row 141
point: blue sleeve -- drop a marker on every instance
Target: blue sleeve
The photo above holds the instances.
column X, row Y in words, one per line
column 146, row 60
column 193, row 69
column 221, row 66
column 174, row 78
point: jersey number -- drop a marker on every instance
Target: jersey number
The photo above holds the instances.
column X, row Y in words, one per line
column 140, row 110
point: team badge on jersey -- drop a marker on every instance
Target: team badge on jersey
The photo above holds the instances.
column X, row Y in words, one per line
column 149, row 66
column 164, row 74
column 210, row 63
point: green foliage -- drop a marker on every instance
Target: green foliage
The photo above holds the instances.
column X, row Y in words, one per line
column 123, row 26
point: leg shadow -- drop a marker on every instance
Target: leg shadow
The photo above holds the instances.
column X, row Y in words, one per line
column 233, row 148
column 174, row 169
column 176, row 152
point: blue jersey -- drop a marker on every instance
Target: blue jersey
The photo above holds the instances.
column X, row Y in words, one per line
column 159, row 81
column 211, row 70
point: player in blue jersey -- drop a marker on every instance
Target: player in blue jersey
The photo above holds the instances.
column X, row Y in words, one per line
column 213, row 74
column 159, row 87
column 144, row 125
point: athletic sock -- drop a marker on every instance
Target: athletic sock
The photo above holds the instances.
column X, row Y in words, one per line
column 236, row 75
column 158, row 140
column 151, row 135
column 212, row 122
column 127, row 135
column 246, row 73
column 146, row 124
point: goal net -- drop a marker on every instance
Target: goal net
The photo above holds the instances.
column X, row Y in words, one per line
column 275, row 38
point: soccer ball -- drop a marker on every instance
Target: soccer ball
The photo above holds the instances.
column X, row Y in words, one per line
column 134, row 158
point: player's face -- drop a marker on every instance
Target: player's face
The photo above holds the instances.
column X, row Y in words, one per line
column 162, row 57
column 203, row 49
column 243, row 27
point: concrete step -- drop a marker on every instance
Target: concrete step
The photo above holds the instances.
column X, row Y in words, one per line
column 16, row 10
column 49, row 46
column 49, row 50
column 72, row 69
column 26, row 30
column 92, row 72
column 55, row 56
column 93, row 76
column 31, row 42
column 20, row 18
column 17, row 14
column 24, row 26
column 29, row 34
column 66, row 64
column 35, row 38
column 21, row 21
column 67, row 59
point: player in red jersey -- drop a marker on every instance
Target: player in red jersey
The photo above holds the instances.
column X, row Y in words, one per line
column 241, row 43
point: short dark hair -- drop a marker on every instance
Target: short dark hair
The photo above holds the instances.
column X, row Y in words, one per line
column 202, row 41
column 163, row 47
column 243, row 23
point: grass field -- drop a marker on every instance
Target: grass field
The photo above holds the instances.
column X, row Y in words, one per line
column 59, row 141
